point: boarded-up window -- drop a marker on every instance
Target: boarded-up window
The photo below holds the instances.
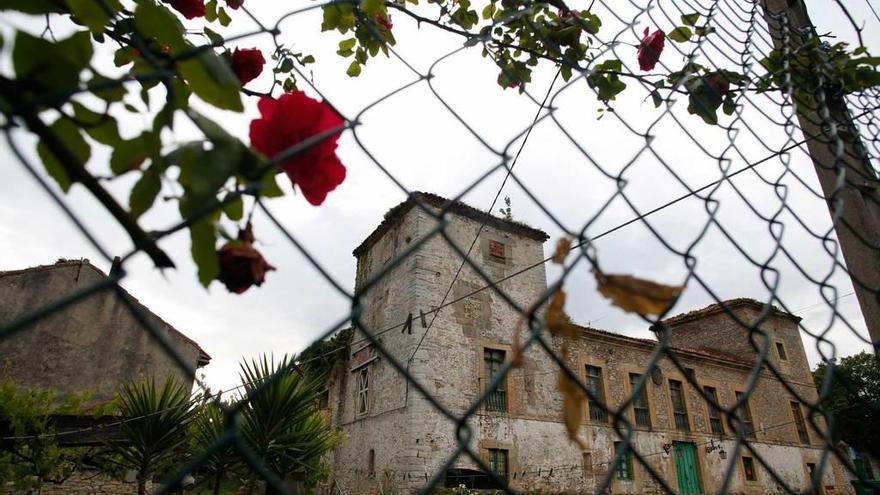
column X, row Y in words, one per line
column 641, row 409
column 496, row 249
column 371, row 464
column 597, row 388
column 493, row 360
column 780, row 350
column 587, row 463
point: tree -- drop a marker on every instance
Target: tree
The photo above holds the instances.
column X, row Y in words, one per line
column 29, row 453
column 280, row 419
column 853, row 400
column 154, row 428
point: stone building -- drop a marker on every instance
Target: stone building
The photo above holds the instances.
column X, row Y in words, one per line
column 94, row 345
column 395, row 438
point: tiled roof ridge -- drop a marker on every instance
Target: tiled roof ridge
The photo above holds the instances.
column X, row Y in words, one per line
column 730, row 304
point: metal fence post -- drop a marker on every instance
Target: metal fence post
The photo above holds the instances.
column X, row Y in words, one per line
column 848, row 180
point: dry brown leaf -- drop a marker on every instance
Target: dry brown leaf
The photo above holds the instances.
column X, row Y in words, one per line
column 637, row 295
column 563, row 246
column 555, row 317
column 573, row 399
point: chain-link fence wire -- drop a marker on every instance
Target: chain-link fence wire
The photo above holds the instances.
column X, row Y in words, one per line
column 744, row 32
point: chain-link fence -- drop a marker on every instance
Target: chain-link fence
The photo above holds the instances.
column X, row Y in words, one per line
column 791, row 98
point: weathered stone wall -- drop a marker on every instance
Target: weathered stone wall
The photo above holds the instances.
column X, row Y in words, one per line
column 412, row 439
column 86, row 483
column 94, row 345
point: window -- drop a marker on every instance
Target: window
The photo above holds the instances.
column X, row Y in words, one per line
column 714, row 414
column 624, row 470
column 679, row 409
column 371, row 464
column 640, row 402
column 780, row 350
column 498, row 462
column 594, row 384
column 324, row 400
column 744, row 415
column 496, row 249
column 587, row 463
column 493, row 360
column 799, row 424
column 749, row 469
column 363, row 391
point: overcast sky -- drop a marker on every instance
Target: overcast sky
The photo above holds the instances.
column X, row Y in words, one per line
column 425, row 147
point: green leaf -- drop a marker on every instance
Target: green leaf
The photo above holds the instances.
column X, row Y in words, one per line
column 372, row 7
column 53, row 65
column 729, row 104
column 203, row 239
column 144, row 192
column 211, row 11
column 703, row 101
column 129, row 154
column 269, row 187
column 354, row 69
column 347, row 44
column 107, row 89
column 34, row 7
column 332, row 15
column 94, row 14
column 308, row 59
column 215, row 38
column 203, row 173
column 211, row 129
column 658, row 100
column 704, row 30
column 488, row 11
column 681, row 34
column 156, row 21
column 69, row 134
column 212, row 80
column 690, row 19
column 565, row 70
column 234, row 210
column 100, row 127
column 224, row 18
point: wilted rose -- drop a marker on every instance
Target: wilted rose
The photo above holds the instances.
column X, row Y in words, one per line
column 189, row 8
column 234, row 4
column 242, row 266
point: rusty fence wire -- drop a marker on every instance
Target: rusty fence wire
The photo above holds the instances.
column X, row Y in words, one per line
column 744, row 33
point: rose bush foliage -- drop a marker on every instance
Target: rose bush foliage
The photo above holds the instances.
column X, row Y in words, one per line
column 55, row 83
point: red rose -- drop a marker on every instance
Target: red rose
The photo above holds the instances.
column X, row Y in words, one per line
column 510, row 84
column 189, row 8
column 247, row 64
column 293, row 118
column 384, row 20
column 242, row 266
column 719, row 83
column 234, row 4
column 650, row 49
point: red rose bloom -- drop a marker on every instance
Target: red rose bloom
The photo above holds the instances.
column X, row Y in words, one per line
column 384, row 20
column 247, row 64
column 234, row 4
column 650, row 49
column 189, row 8
column 242, row 266
column 511, row 84
column 291, row 119
column 719, row 83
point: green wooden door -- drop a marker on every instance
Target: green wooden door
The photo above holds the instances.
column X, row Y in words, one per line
column 686, row 467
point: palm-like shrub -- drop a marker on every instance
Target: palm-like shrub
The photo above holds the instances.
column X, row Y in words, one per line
column 206, row 431
column 154, row 429
column 280, row 419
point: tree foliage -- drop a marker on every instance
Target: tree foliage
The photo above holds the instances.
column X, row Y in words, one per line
column 853, row 399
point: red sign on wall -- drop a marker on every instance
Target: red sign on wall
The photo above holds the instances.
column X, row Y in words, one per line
column 496, row 249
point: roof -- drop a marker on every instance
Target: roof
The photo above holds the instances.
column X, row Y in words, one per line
column 204, row 358
column 728, row 305
column 684, row 351
column 396, row 214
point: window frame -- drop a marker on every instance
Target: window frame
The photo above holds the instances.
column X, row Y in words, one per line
column 362, row 392
column 623, row 471
column 684, row 412
column 747, row 407
column 506, row 392
column 645, row 396
column 601, row 392
column 783, row 355
column 754, row 467
column 492, row 457
column 801, row 432
column 710, row 409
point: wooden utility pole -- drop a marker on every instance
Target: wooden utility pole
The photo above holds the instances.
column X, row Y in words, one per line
column 849, row 182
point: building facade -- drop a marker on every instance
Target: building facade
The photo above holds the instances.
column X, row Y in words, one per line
column 396, row 437
column 94, row 345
